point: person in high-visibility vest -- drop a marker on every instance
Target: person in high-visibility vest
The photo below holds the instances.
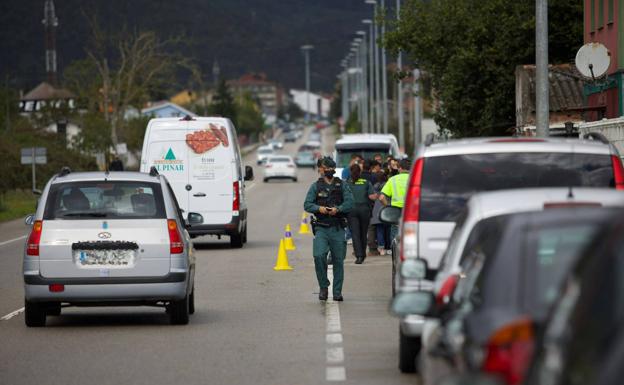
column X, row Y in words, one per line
column 395, row 190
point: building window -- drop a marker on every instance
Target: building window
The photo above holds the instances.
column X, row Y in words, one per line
column 600, row 13
column 611, row 11
column 592, row 15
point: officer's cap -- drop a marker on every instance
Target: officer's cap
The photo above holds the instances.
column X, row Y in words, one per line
column 327, row 162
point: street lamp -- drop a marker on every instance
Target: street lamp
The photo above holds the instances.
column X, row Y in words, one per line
column 371, row 76
column 306, row 52
column 376, row 64
column 400, row 115
column 384, row 72
column 364, row 85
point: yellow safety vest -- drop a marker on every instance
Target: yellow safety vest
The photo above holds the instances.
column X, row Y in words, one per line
column 398, row 186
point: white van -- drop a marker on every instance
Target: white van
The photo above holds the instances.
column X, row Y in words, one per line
column 366, row 145
column 201, row 159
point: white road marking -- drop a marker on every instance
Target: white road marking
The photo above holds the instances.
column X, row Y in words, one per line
column 336, row 373
column 12, row 240
column 334, row 354
column 12, row 314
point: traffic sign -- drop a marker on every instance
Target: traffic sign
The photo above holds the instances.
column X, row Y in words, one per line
column 38, row 153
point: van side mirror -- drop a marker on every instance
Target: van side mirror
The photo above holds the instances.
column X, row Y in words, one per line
column 390, row 215
column 29, row 220
column 416, row 302
column 249, row 173
column 414, row 268
column 195, row 218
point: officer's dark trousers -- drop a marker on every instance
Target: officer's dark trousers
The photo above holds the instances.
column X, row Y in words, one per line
column 359, row 218
column 329, row 239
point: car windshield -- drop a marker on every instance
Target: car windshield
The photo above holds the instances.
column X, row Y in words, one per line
column 105, row 199
column 344, row 155
column 449, row 181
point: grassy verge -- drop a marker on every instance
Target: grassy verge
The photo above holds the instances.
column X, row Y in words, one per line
column 16, row 204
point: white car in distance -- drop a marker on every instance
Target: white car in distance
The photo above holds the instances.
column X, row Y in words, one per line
column 280, row 167
column 264, row 152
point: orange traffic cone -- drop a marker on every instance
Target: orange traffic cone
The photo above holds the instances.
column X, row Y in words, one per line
column 289, row 243
column 304, row 228
column 282, row 258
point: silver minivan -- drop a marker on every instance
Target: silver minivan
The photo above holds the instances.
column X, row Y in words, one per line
column 101, row 238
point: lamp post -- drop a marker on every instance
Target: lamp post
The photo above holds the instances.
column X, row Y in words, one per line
column 384, row 73
column 358, row 85
column 400, row 116
column 306, row 52
column 379, row 111
column 362, row 77
column 344, row 93
column 541, row 69
column 371, row 77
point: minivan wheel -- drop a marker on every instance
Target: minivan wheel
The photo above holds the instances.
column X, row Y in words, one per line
column 409, row 347
column 192, row 301
column 179, row 311
column 34, row 314
column 245, row 234
column 236, row 240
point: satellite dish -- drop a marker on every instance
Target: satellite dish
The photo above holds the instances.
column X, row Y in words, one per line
column 593, row 60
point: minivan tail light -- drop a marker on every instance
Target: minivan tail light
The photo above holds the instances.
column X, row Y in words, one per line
column 618, row 172
column 447, row 289
column 176, row 246
column 509, row 350
column 236, row 195
column 32, row 245
column 411, row 213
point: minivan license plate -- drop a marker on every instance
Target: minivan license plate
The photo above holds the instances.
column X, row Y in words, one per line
column 108, row 258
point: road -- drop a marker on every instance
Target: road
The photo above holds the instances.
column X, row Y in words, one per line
column 252, row 325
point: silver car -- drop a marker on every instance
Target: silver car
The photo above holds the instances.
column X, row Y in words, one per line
column 110, row 239
column 445, row 175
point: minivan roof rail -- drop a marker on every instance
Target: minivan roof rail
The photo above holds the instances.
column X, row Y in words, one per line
column 596, row 136
column 188, row 118
column 65, row 171
column 153, row 171
column 429, row 139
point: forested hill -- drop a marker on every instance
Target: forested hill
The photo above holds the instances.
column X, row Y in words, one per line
column 242, row 35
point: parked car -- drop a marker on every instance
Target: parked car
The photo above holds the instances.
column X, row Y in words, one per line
column 115, row 238
column 511, row 269
column 305, row 158
column 582, row 342
column 201, row 159
column 445, row 175
column 276, row 144
column 291, row 137
column 280, row 167
column 365, row 145
column 264, row 152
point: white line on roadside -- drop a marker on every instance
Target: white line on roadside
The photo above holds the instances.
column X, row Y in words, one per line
column 334, row 354
column 12, row 240
column 12, row 314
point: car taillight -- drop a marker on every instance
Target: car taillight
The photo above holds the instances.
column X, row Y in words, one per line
column 268, row 165
column 618, row 172
column 411, row 213
column 447, row 289
column 176, row 246
column 32, row 245
column 236, row 201
column 291, row 166
column 509, row 350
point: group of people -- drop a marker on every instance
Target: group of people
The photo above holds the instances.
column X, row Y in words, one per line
column 352, row 204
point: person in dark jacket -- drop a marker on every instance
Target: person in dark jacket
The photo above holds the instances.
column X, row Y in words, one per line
column 359, row 216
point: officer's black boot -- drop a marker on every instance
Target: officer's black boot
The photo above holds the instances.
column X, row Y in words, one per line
column 323, row 294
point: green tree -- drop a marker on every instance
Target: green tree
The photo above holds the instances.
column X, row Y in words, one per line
column 223, row 102
column 249, row 120
column 469, row 50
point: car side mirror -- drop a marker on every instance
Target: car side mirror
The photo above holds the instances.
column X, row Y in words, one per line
column 195, row 218
column 390, row 215
column 415, row 302
column 414, row 268
column 29, row 220
column 249, row 173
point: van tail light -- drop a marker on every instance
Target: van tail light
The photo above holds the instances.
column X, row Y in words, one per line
column 32, row 245
column 447, row 289
column 509, row 350
column 176, row 246
column 411, row 213
column 618, row 172
column 236, row 195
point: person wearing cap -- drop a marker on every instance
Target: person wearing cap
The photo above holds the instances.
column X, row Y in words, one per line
column 395, row 189
column 330, row 200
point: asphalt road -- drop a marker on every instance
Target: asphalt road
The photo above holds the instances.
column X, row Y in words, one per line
column 252, row 325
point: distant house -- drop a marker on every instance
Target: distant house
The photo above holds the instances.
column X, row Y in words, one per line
column 268, row 93
column 319, row 104
column 566, row 100
column 46, row 95
column 166, row 110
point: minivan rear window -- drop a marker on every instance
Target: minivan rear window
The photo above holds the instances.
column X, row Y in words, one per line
column 105, row 199
column 449, row 181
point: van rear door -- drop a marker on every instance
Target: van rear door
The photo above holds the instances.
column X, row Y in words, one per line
column 212, row 170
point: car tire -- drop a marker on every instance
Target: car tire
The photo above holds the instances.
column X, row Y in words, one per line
column 266, row 180
column 179, row 311
column 34, row 314
column 409, row 348
column 245, row 235
column 192, row 301
column 236, row 240
column 295, row 180
column 54, row 309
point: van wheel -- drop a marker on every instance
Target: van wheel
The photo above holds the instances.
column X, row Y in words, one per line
column 409, row 347
column 266, row 180
column 192, row 301
column 236, row 240
column 245, row 234
column 34, row 314
column 295, row 180
column 179, row 311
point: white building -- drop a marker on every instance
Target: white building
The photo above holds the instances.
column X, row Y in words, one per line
column 317, row 102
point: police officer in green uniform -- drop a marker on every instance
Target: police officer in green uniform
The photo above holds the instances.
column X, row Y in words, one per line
column 330, row 200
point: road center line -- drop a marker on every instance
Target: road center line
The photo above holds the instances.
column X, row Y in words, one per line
column 12, row 314
column 12, row 240
column 333, row 338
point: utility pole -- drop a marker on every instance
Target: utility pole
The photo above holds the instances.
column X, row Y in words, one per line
column 50, row 22
column 306, row 52
column 541, row 69
column 378, row 110
column 370, row 89
column 417, row 109
column 362, row 77
column 384, row 72
column 400, row 115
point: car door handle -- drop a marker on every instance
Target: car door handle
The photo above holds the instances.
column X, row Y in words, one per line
column 199, row 194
